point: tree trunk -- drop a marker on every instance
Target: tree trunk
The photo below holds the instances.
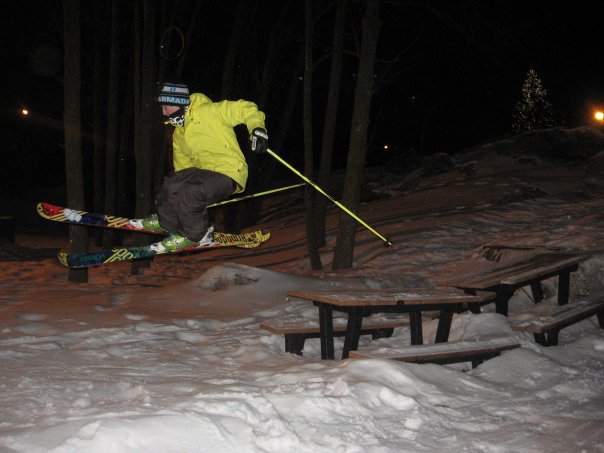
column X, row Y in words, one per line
column 144, row 88
column 309, row 195
column 112, row 122
column 331, row 116
column 124, row 170
column 149, row 109
column 343, row 253
column 139, row 152
column 144, row 112
column 99, row 114
column 74, row 167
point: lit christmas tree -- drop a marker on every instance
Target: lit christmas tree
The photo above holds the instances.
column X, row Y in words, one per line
column 533, row 111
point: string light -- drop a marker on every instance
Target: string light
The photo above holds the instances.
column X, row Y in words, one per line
column 533, row 111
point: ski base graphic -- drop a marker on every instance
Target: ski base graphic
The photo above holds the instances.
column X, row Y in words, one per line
column 77, row 217
column 86, row 259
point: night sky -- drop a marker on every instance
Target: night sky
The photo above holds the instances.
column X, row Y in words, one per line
column 454, row 87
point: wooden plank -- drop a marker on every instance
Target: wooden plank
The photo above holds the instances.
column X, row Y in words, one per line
column 562, row 316
column 514, row 272
column 518, row 247
column 293, row 326
column 551, row 267
column 389, row 297
column 439, row 351
column 518, row 272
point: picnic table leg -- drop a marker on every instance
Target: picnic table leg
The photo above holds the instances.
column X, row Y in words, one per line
column 415, row 319
column 563, row 287
column 353, row 331
column 444, row 326
column 326, row 329
column 294, row 343
column 537, row 291
column 504, row 294
column 473, row 307
column 552, row 337
column 540, row 338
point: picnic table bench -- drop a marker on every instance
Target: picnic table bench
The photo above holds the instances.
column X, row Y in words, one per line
column 505, row 277
column 296, row 330
column 361, row 303
column 474, row 350
column 545, row 326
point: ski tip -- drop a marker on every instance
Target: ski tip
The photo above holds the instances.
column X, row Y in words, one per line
column 50, row 212
column 41, row 210
column 63, row 259
column 260, row 238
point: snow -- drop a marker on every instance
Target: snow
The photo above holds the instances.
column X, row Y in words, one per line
column 174, row 360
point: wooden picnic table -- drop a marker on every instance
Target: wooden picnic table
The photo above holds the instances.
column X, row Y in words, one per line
column 505, row 277
column 360, row 303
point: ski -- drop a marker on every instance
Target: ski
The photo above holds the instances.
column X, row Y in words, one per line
column 87, row 259
column 77, row 217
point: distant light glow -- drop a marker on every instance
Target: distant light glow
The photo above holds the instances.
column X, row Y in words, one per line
column 24, row 112
column 386, row 147
column 599, row 116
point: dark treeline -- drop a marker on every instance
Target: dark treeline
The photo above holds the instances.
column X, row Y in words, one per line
column 337, row 79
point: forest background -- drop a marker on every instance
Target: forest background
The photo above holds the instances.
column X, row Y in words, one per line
column 345, row 84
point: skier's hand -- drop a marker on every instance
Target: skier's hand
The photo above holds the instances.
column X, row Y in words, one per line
column 259, row 140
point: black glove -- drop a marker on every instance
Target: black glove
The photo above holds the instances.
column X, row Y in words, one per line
column 259, row 140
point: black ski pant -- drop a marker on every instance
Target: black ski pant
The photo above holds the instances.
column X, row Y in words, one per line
column 182, row 200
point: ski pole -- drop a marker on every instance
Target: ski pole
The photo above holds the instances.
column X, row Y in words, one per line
column 337, row 203
column 255, row 195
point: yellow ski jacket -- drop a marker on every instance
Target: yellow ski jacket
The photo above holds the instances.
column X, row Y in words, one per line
column 208, row 141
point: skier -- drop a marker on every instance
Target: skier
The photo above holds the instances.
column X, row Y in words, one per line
column 208, row 163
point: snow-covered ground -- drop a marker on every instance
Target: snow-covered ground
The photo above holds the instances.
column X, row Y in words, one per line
column 174, row 360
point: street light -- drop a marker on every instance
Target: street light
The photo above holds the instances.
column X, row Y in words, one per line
column 39, row 119
column 599, row 116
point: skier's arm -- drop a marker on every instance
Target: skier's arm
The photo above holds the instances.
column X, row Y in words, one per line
column 233, row 113
column 245, row 112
